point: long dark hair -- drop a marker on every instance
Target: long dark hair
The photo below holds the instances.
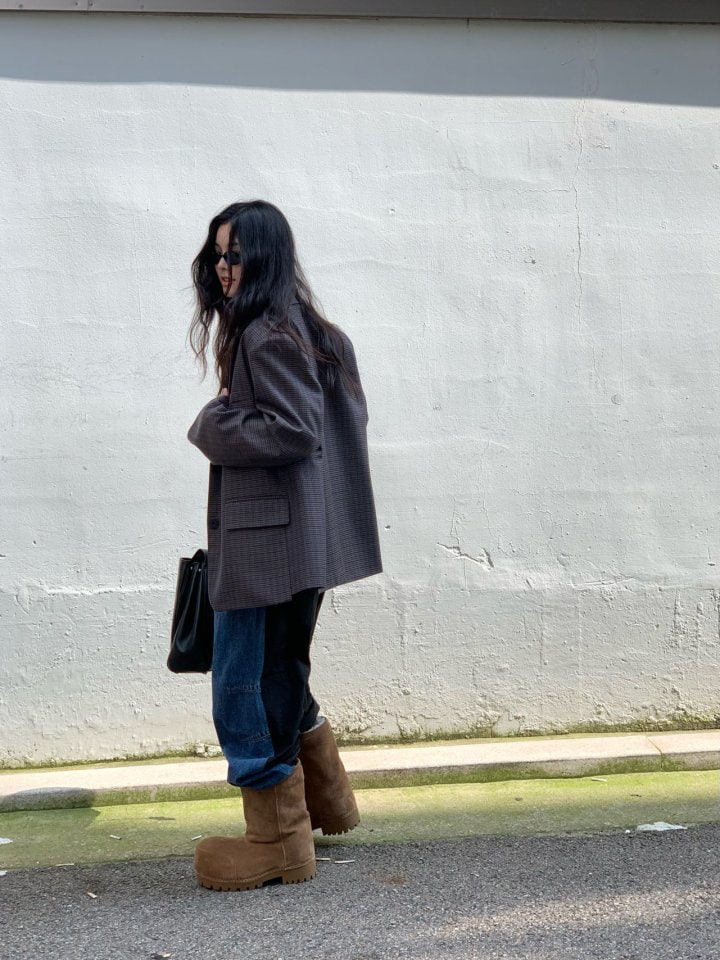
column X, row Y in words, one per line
column 271, row 278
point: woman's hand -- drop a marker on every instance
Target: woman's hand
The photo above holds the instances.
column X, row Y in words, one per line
column 224, row 392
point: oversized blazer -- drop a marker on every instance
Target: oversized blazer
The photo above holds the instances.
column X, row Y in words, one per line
column 290, row 501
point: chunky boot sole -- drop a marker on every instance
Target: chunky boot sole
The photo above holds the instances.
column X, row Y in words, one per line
column 332, row 828
column 293, row 875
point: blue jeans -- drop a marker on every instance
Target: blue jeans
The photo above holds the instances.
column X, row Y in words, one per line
column 260, row 690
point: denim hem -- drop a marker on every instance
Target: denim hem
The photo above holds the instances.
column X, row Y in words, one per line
column 263, row 779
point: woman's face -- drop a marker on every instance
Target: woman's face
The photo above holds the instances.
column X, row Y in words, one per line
column 228, row 274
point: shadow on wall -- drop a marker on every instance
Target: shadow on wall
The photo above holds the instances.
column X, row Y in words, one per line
column 655, row 63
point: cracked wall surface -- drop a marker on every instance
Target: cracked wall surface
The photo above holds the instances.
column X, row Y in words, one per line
column 517, row 225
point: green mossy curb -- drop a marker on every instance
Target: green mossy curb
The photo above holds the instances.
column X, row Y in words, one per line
column 67, row 798
column 418, row 813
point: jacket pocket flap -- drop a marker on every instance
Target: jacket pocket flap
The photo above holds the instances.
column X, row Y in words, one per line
column 257, row 512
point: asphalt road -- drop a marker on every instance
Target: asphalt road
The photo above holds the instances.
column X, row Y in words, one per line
column 651, row 896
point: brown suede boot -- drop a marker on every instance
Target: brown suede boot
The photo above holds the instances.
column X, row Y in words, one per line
column 278, row 841
column 328, row 794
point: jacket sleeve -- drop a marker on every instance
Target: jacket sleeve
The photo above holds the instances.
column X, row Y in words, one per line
column 284, row 424
column 349, row 351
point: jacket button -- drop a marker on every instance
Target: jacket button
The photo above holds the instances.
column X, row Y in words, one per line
column 214, row 524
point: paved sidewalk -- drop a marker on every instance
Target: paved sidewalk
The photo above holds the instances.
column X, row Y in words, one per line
column 412, row 765
column 618, row 896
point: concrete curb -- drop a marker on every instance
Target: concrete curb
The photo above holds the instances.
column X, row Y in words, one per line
column 412, row 765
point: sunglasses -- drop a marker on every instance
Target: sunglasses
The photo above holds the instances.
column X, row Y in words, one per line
column 232, row 258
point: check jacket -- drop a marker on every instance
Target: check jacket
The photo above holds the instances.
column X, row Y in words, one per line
column 290, row 502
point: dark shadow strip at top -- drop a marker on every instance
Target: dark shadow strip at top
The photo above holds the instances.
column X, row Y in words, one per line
column 619, row 11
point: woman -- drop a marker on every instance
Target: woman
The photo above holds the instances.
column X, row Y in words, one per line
column 290, row 514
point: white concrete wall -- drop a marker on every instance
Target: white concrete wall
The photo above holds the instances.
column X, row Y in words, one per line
column 517, row 224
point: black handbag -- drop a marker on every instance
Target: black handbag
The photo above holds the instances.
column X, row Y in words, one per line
column 193, row 622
